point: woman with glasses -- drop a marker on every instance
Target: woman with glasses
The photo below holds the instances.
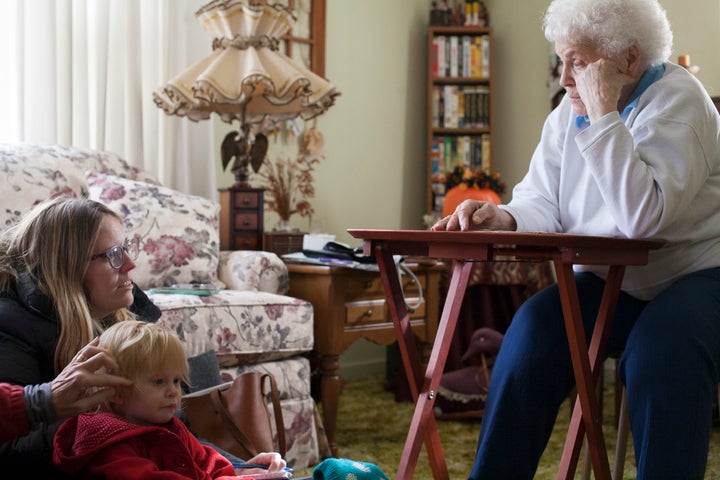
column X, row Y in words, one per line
column 65, row 275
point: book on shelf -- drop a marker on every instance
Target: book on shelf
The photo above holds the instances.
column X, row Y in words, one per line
column 485, row 152
column 485, row 56
column 454, row 59
column 463, row 56
column 459, row 106
column 468, row 151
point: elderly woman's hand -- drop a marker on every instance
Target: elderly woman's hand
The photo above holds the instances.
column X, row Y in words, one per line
column 476, row 215
column 83, row 383
column 600, row 86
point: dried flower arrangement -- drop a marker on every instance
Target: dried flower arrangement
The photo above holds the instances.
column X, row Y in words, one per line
column 288, row 185
column 288, row 182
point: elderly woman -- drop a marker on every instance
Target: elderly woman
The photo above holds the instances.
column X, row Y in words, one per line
column 633, row 150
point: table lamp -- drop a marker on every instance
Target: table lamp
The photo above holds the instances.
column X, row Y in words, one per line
column 247, row 79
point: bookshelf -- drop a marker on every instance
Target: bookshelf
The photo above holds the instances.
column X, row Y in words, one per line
column 459, row 100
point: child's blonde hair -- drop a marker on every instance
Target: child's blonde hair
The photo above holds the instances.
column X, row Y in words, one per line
column 139, row 347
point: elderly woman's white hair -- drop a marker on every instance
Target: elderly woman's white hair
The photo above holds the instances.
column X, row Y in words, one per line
column 613, row 26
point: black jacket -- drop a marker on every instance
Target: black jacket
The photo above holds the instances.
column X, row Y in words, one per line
column 29, row 331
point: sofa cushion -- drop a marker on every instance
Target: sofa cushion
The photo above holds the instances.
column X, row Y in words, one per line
column 32, row 173
column 27, row 185
column 253, row 270
column 241, row 327
column 179, row 235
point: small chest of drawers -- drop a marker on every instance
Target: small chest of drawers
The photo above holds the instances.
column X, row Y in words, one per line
column 241, row 219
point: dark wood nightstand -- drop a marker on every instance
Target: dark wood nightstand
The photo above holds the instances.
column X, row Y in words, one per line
column 241, row 218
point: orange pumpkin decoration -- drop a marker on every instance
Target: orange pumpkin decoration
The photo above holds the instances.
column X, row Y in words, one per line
column 456, row 195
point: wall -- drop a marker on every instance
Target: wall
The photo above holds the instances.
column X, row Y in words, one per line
column 373, row 174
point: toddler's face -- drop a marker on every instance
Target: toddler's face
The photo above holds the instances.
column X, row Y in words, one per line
column 154, row 399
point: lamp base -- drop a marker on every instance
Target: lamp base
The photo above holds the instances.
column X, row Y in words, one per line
column 241, row 176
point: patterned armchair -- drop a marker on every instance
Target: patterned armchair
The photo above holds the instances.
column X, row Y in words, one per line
column 250, row 323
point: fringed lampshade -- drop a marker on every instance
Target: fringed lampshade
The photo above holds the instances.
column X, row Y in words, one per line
column 246, row 78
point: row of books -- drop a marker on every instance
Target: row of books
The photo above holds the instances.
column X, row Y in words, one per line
column 461, row 56
column 450, row 151
column 457, row 106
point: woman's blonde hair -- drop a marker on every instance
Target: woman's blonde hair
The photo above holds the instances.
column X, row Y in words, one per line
column 141, row 347
column 52, row 244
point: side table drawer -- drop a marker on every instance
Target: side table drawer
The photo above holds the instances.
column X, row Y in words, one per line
column 249, row 199
column 371, row 285
column 248, row 241
column 375, row 311
column 245, row 220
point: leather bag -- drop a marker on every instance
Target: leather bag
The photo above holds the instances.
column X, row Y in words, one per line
column 235, row 416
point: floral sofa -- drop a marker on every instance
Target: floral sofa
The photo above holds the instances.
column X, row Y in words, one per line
column 250, row 324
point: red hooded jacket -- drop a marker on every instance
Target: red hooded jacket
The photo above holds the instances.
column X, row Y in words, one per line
column 105, row 445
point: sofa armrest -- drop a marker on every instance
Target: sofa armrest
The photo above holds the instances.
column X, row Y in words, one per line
column 253, row 270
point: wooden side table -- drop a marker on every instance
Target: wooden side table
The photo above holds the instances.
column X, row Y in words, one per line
column 241, row 218
column 349, row 304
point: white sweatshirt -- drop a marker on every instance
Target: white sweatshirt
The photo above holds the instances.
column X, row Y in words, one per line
column 655, row 174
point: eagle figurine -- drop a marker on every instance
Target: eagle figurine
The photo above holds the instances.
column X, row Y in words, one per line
column 236, row 145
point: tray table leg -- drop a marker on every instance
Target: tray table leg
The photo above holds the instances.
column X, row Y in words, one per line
column 423, row 425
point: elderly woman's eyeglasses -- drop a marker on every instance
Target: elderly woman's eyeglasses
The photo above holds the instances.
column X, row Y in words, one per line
column 116, row 253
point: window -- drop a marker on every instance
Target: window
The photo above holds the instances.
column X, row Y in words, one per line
column 305, row 42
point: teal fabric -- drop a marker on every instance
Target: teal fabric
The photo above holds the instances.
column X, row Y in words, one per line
column 346, row 469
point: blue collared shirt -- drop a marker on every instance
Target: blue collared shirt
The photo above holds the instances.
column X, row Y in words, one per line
column 651, row 75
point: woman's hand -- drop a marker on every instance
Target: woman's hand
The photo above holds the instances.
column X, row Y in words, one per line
column 476, row 215
column 83, row 385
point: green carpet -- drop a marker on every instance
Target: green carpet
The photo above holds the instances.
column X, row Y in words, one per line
column 372, row 427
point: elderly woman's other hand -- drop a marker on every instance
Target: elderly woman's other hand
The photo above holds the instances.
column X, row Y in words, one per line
column 476, row 215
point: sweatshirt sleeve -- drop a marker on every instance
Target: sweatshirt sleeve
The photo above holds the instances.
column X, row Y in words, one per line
column 13, row 417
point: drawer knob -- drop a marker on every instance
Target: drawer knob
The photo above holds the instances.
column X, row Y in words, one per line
column 246, row 222
column 368, row 284
column 367, row 313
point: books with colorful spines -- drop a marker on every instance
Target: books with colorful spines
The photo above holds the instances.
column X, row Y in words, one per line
column 436, row 166
column 466, row 42
column 469, row 111
column 448, row 153
column 437, row 111
column 441, row 41
column 450, row 105
column 485, row 141
column 478, row 55
column 453, row 56
column 460, row 116
column 485, row 52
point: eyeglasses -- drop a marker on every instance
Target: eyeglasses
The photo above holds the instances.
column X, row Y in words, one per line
column 116, row 253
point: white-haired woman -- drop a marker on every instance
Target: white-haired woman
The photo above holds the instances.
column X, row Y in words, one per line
column 633, row 150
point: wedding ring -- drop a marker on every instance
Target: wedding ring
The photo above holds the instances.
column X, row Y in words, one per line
column 80, row 358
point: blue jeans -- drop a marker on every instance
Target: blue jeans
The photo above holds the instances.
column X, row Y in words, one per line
column 669, row 361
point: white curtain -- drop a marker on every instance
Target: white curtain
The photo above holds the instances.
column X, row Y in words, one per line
column 82, row 73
